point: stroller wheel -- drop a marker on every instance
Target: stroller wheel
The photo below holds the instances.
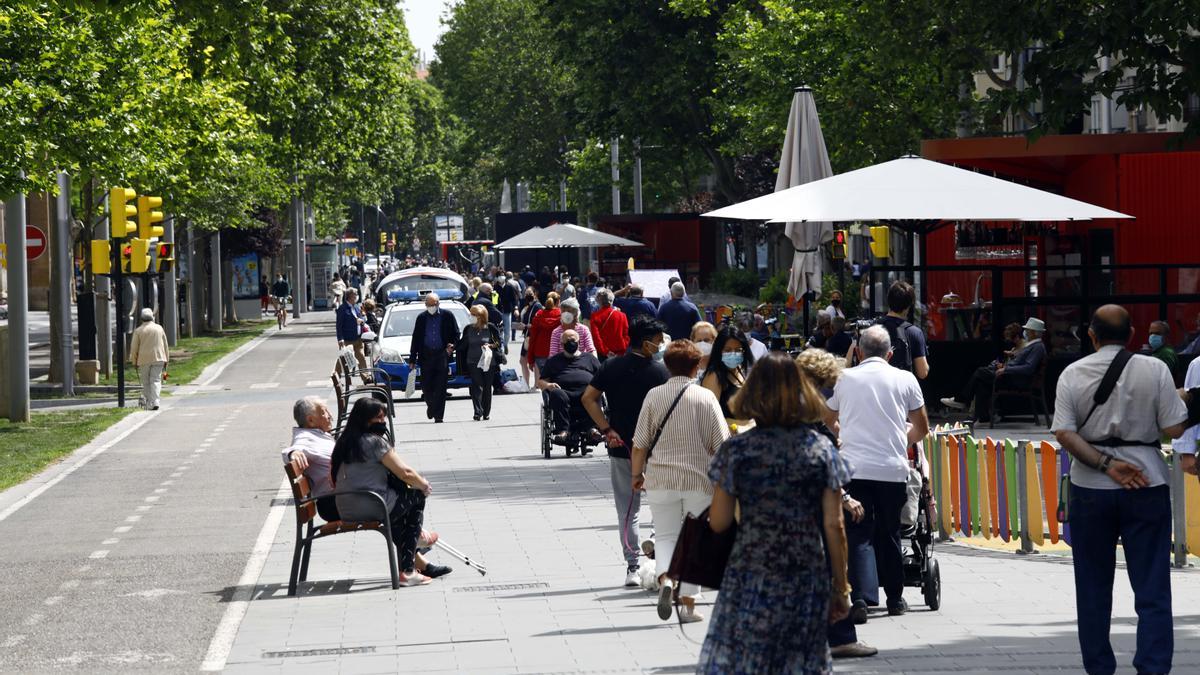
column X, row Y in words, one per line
column 931, row 587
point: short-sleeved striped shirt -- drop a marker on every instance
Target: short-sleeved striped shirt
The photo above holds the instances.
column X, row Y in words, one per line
column 693, row 433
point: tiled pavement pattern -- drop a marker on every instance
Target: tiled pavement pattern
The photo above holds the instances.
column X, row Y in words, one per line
column 553, row 601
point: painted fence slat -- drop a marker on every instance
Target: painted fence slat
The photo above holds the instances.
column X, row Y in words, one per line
column 955, row 482
column 1010, row 475
column 1191, row 491
column 972, row 501
column 1033, row 492
column 1050, row 488
column 985, row 493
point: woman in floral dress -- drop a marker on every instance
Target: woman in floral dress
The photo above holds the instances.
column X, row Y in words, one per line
column 777, row 597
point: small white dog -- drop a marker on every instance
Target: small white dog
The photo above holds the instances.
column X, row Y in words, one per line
column 648, row 576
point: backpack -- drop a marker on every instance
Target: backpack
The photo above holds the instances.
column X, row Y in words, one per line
column 901, row 354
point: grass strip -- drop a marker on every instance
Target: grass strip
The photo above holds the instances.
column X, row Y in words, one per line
column 26, row 449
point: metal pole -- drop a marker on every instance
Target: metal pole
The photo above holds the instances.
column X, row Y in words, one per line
column 1105, row 102
column 214, row 283
column 298, row 246
column 118, row 280
column 170, row 296
column 616, row 175
column 103, row 284
column 18, row 309
column 195, row 295
column 61, row 279
column 1178, row 514
column 637, row 176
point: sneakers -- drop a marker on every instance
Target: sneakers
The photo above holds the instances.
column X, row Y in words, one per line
column 898, row 608
column 689, row 614
column 413, row 578
column 428, row 538
column 858, row 612
column 434, row 571
column 949, row 402
column 853, row 650
column 664, row 599
column 632, row 580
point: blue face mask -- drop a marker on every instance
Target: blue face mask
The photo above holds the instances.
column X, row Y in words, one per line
column 662, row 350
column 731, row 359
column 1156, row 342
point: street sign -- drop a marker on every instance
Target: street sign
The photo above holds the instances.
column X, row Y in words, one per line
column 35, row 242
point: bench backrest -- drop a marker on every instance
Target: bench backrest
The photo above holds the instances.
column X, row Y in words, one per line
column 301, row 490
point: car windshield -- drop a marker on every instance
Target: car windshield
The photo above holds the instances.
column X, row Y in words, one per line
column 395, row 290
column 401, row 321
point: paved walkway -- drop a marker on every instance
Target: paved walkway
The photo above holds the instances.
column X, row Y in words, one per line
column 553, row 601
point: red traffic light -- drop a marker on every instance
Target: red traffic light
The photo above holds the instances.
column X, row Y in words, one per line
column 839, row 236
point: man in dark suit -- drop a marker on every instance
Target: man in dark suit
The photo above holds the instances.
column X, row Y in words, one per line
column 434, row 337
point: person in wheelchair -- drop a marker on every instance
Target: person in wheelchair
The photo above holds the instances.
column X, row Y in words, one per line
column 563, row 381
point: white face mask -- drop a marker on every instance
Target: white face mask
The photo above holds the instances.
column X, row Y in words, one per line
column 568, row 318
column 432, row 309
column 704, row 347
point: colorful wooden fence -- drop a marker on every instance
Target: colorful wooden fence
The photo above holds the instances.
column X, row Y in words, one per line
column 1009, row 490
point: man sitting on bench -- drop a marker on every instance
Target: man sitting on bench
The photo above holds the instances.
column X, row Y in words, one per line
column 312, row 447
column 563, row 381
column 1018, row 371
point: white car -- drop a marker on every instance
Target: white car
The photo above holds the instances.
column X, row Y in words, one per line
column 395, row 341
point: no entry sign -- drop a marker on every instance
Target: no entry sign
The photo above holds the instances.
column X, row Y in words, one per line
column 35, row 242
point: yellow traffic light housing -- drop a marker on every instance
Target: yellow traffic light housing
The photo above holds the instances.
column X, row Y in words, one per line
column 101, row 256
column 120, row 211
column 838, row 245
column 139, row 256
column 148, row 216
column 881, row 244
column 164, row 257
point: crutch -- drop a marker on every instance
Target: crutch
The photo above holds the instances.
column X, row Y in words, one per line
column 461, row 556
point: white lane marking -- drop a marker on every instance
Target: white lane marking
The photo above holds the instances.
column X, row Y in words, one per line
column 317, row 383
column 142, row 507
column 167, row 482
column 84, row 569
column 12, row 641
column 235, row 611
column 177, row 474
column 122, row 529
column 53, row 600
column 264, row 385
column 159, row 491
column 152, row 498
column 68, row 585
column 34, row 494
column 110, row 541
column 34, row 619
column 154, row 593
column 133, row 519
column 96, row 555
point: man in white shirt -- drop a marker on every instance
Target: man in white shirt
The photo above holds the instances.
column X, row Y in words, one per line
column 1119, row 489
column 881, row 412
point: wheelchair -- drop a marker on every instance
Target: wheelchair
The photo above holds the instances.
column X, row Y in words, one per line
column 578, row 438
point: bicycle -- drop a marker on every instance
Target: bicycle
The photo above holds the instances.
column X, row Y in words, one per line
column 281, row 312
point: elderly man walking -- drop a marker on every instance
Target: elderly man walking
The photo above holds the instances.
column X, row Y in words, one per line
column 149, row 354
column 881, row 413
column 1111, row 410
column 678, row 313
column 434, row 337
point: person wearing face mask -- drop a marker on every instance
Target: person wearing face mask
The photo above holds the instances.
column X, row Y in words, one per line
column 364, row 460
column 1159, row 345
column 564, row 379
column 625, row 381
column 475, row 338
column 728, row 366
column 1018, row 370
column 435, row 334
column 834, row 310
column 610, row 327
column 703, row 335
column 569, row 319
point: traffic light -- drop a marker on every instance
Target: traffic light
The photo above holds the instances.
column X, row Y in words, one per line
column 164, row 257
column 838, row 245
column 148, row 216
column 139, row 256
column 120, row 211
column 881, row 245
column 101, row 256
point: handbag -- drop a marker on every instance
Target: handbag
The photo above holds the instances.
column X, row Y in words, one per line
column 701, row 555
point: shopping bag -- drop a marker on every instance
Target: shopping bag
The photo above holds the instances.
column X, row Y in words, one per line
column 485, row 359
column 410, row 387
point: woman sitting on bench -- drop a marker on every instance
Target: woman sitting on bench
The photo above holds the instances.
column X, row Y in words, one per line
column 363, row 460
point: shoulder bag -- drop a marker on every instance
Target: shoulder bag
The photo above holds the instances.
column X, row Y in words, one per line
column 1103, row 392
column 701, row 555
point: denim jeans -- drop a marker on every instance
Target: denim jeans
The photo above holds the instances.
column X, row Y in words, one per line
column 874, row 541
column 1142, row 520
column 628, row 503
column 506, row 331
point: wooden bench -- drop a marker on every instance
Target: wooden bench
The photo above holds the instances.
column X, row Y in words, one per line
column 307, row 532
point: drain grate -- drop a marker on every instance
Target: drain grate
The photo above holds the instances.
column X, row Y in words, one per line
column 328, row 651
column 488, row 588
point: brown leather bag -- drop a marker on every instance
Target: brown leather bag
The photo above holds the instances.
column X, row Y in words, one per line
column 701, row 554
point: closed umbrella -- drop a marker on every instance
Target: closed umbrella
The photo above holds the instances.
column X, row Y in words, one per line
column 505, row 198
column 804, row 159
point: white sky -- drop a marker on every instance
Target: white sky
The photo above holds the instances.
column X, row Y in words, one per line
column 424, row 23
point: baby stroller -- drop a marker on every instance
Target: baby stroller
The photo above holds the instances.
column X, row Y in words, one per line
column 920, row 567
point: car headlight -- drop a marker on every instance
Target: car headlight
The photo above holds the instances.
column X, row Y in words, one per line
column 390, row 355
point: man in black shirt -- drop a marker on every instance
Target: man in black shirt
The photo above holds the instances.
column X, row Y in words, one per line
column 908, row 341
column 564, row 379
column 625, row 380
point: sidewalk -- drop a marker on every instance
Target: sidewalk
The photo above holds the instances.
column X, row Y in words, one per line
column 553, row 601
